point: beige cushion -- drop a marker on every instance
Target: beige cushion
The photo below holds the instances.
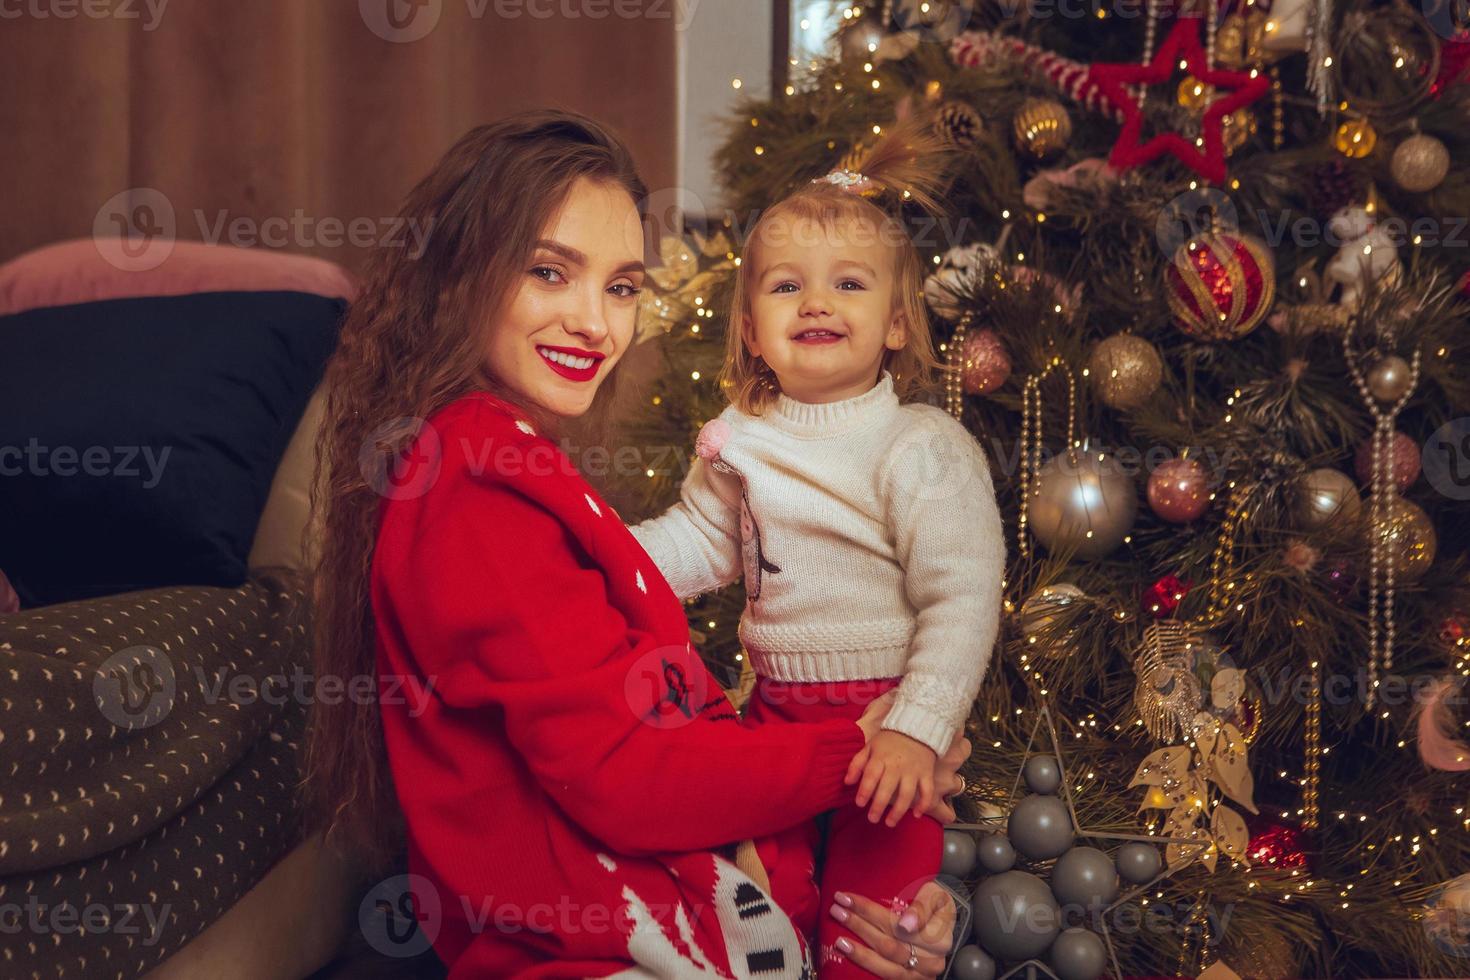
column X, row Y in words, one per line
column 281, row 538
column 287, row 927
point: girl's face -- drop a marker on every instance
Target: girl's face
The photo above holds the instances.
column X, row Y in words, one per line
column 822, row 311
column 572, row 316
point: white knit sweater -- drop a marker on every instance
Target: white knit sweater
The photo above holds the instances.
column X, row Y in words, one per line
column 870, row 542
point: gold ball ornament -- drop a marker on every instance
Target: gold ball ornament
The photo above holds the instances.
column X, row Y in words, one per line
column 1323, row 496
column 1125, row 370
column 1237, row 128
column 1042, row 127
column 1420, row 163
column 1041, row 610
column 1194, row 94
column 1409, row 538
column 1355, row 138
column 984, row 363
column 1388, row 379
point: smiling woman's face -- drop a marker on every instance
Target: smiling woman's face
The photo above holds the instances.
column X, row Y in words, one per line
column 572, row 315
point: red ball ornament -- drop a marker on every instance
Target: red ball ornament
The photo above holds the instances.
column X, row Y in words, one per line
column 1452, row 630
column 1178, row 490
column 1163, row 597
column 1278, row 845
column 1220, row 285
column 984, row 363
column 1403, row 454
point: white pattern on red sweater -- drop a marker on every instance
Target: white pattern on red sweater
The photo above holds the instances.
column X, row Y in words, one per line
column 567, row 784
column 881, row 522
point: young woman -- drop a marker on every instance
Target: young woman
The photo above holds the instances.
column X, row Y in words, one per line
column 568, row 775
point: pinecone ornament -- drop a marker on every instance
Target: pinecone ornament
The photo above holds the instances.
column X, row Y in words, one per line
column 1334, row 185
column 958, row 124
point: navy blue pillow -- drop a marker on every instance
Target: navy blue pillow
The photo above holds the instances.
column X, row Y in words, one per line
column 138, row 437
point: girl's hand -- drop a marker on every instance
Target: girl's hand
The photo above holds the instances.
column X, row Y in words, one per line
column 885, row 937
column 899, row 769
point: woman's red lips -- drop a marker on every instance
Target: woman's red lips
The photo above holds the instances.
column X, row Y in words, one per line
column 572, row 363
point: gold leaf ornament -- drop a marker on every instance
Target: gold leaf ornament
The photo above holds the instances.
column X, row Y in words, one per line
column 1229, row 768
column 1230, row 833
column 1162, row 765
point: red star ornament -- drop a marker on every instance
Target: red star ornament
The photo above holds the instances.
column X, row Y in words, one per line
column 1183, row 43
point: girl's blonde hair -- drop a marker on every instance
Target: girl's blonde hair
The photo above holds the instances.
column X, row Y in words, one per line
column 904, row 165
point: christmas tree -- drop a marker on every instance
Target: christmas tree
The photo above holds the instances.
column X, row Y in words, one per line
column 1202, row 295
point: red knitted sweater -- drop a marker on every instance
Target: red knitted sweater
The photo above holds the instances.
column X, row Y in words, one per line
column 573, row 773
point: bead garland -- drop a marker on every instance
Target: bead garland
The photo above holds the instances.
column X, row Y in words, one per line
column 954, row 391
column 1381, row 565
column 1031, row 439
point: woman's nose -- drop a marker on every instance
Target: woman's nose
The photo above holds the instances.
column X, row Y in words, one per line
column 588, row 321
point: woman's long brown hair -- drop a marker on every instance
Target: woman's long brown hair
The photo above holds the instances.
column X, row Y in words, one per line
column 415, row 341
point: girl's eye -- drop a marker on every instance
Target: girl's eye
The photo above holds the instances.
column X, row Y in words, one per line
column 628, row 290
column 547, row 273
column 850, row 284
column 784, row 287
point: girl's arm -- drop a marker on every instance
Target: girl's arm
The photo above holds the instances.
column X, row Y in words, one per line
column 624, row 730
column 696, row 542
column 947, row 527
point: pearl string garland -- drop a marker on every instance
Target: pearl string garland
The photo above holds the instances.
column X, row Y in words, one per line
column 1381, row 565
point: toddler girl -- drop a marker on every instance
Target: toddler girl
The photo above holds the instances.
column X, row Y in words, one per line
column 866, row 527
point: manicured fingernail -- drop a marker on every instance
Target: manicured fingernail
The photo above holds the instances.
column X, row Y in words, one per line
column 909, row 922
column 843, row 898
column 843, row 946
column 839, row 913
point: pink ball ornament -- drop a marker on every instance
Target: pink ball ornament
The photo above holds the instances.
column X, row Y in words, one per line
column 1403, row 454
column 1179, row 490
column 984, row 363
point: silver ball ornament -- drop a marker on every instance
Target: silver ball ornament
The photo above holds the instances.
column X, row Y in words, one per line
column 958, row 858
column 1043, row 775
column 1086, row 877
column 1040, row 827
column 1078, row 954
column 1324, row 495
column 972, row 963
column 1016, row 916
column 995, row 853
column 1138, row 863
column 1083, row 501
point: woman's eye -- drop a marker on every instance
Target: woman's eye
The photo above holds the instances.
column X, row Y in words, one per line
column 548, row 273
column 626, row 289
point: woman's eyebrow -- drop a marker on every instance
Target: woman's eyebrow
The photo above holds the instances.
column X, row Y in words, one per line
column 577, row 257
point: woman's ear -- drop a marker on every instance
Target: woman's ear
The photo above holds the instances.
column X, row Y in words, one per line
column 898, row 332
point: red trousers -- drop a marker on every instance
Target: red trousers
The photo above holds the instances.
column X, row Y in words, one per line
column 885, row 864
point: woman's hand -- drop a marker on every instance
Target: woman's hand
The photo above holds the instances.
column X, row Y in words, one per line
column 947, row 780
column 925, row 931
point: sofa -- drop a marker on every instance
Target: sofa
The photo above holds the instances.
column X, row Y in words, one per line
column 166, row 845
